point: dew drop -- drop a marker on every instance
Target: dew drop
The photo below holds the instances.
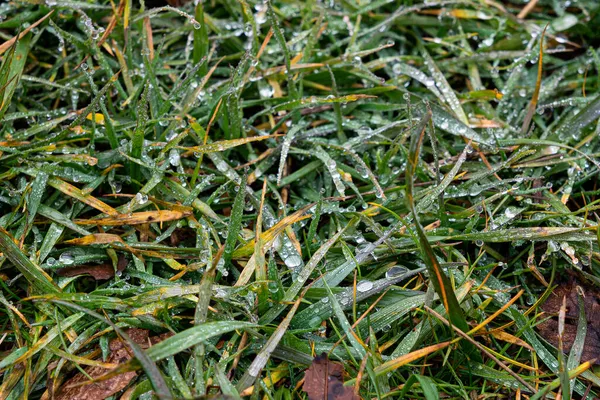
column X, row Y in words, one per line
column 141, row 198
column 395, row 271
column 66, row 258
column 364, row 286
column 510, row 212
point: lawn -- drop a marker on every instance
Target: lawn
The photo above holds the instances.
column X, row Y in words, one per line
column 275, row 200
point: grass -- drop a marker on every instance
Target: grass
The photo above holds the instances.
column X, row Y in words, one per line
column 397, row 184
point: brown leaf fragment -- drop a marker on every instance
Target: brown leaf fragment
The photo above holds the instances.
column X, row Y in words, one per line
column 324, row 380
column 97, row 271
column 120, row 353
column 549, row 329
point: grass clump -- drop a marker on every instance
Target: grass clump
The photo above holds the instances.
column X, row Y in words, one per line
column 252, row 184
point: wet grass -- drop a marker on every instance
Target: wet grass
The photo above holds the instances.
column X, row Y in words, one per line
column 397, row 184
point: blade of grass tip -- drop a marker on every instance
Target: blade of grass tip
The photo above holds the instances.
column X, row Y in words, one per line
column 271, row 234
column 259, row 362
column 427, row 384
column 60, row 219
column 285, row 148
column 314, row 224
column 16, row 63
column 193, row 336
column 158, row 382
column 37, row 277
column 439, row 189
column 204, row 293
column 362, row 167
column 440, row 281
column 346, row 327
column 332, row 168
column 177, row 379
column 35, row 196
column 6, row 45
column 396, row 363
column 204, row 296
column 579, row 342
column 137, row 142
column 227, row 388
column 447, row 91
column 5, row 69
column 538, row 85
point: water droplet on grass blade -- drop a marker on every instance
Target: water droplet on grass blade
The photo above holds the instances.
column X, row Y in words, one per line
column 292, row 261
column 66, row 258
column 510, row 212
column 141, row 198
column 174, row 158
column 395, row 271
column 364, row 286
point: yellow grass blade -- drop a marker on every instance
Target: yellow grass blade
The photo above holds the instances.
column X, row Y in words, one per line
column 143, row 217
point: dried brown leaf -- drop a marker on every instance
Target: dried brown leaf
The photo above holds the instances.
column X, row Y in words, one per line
column 97, row 271
column 549, row 328
column 120, row 353
column 324, row 380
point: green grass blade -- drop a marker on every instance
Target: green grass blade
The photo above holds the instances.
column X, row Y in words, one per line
column 261, row 359
column 16, row 63
column 235, row 222
column 38, row 278
column 438, row 277
column 158, row 381
column 578, row 344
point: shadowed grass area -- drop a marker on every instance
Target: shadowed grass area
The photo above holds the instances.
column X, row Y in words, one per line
column 398, row 184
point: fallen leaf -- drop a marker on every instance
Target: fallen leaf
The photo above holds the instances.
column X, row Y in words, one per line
column 120, row 353
column 549, row 328
column 324, row 380
column 97, row 271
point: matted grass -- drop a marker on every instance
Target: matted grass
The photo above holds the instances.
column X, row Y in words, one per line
column 397, row 184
